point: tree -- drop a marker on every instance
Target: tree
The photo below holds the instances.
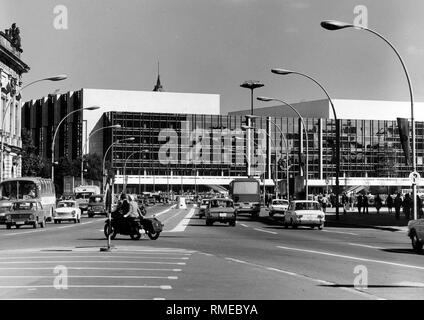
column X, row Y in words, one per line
column 32, row 164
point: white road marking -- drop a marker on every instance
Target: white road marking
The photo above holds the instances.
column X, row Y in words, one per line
column 163, row 287
column 370, row 296
column 93, row 268
column 410, row 284
column 171, row 217
column 184, row 222
column 350, row 233
column 76, row 276
column 165, row 211
column 272, row 232
column 364, row 245
column 354, row 258
column 244, row 225
column 95, row 261
column 96, row 257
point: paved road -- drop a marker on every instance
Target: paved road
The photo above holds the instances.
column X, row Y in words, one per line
column 254, row 260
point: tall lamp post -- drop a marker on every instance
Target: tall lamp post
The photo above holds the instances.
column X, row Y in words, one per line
column 251, row 85
column 266, row 99
column 85, row 147
column 287, row 72
column 124, row 189
column 55, row 78
column 57, row 130
column 337, row 25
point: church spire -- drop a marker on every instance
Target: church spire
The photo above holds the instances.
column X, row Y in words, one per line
column 158, row 86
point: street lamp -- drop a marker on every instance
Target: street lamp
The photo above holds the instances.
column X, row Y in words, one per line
column 107, row 150
column 85, row 148
column 124, row 189
column 287, row 72
column 252, row 85
column 337, row 25
column 55, row 78
column 266, row 99
column 57, row 130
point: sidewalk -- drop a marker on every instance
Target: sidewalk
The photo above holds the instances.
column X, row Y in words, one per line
column 352, row 219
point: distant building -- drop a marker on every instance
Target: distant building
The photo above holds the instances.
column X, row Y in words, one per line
column 11, row 70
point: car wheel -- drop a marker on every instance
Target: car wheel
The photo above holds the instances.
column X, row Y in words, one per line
column 43, row 223
column 17, row 226
column 208, row 222
column 417, row 245
column 55, row 221
column 321, row 226
column 59, row 221
column 312, row 227
column 75, row 220
column 35, row 225
column 232, row 223
column 8, row 226
column 293, row 225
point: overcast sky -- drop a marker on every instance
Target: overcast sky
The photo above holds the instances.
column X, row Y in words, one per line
column 212, row 46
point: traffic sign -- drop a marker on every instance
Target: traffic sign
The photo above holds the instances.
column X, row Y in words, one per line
column 414, row 177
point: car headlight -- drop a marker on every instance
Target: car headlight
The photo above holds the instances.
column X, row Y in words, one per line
column 299, row 216
column 8, row 217
column 73, row 213
column 320, row 216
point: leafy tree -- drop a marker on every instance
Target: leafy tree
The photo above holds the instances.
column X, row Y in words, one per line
column 32, row 164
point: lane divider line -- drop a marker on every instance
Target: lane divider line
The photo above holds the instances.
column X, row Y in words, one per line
column 340, row 232
column 93, row 268
column 95, row 261
column 163, row 287
column 77, row 276
column 364, row 245
column 184, row 222
column 262, row 230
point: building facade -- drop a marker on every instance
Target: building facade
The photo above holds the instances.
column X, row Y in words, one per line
column 11, row 70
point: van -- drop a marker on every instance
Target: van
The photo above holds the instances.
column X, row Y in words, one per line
column 96, row 205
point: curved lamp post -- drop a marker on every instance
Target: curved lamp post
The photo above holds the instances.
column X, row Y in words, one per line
column 337, row 25
column 124, row 189
column 107, row 150
column 266, row 99
column 85, row 148
column 57, row 130
column 55, row 78
column 280, row 71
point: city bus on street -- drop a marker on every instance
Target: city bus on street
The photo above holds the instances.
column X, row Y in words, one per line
column 82, row 195
column 30, row 188
column 246, row 194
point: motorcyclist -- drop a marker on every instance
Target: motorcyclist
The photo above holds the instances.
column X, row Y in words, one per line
column 133, row 213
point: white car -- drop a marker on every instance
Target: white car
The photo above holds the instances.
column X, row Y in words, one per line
column 416, row 233
column 304, row 213
column 278, row 208
column 67, row 210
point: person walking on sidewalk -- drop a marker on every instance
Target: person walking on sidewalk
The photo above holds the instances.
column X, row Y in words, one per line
column 365, row 203
column 378, row 203
column 389, row 203
column 397, row 204
column 407, row 205
column 359, row 201
column 345, row 202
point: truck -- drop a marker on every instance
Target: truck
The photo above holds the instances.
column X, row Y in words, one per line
column 246, row 195
column 82, row 195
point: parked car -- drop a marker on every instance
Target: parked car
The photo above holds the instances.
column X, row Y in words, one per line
column 202, row 207
column 278, row 208
column 221, row 210
column 416, row 234
column 26, row 212
column 67, row 210
column 5, row 207
column 96, row 205
column 304, row 213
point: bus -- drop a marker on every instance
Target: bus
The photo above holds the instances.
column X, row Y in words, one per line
column 30, row 188
column 82, row 195
column 246, row 194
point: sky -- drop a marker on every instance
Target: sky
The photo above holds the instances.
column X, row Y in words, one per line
column 212, row 46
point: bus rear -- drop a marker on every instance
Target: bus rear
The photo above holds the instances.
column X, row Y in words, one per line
column 246, row 195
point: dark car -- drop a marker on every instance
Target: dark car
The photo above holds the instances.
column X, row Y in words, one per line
column 96, row 205
column 26, row 212
column 221, row 210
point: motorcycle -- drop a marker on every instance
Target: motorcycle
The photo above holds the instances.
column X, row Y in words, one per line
column 119, row 225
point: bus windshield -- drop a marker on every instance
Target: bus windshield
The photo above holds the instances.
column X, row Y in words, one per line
column 248, row 187
column 12, row 190
column 83, row 195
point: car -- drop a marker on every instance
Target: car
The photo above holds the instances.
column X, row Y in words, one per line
column 304, row 213
column 96, row 205
column 67, row 210
column 26, row 212
column 278, row 208
column 221, row 210
column 416, row 233
column 5, row 207
column 202, row 207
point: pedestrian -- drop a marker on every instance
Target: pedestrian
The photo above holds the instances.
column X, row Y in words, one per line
column 345, row 202
column 324, row 203
column 407, row 204
column 378, row 203
column 359, row 202
column 419, row 207
column 397, row 203
column 389, row 203
column 351, row 201
column 365, row 203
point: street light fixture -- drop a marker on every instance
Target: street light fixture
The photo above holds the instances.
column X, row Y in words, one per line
column 280, row 71
column 85, row 147
column 337, row 25
column 57, row 130
column 107, row 150
column 55, row 78
column 267, row 99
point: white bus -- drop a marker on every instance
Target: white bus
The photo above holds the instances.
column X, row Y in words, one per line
column 30, row 188
column 83, row 193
